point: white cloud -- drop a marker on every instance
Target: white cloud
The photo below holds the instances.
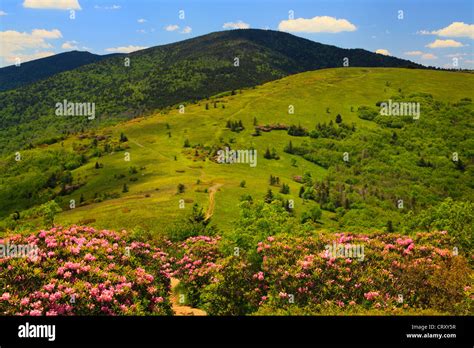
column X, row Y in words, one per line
column 186, row 30
column 413, row 53
column 141, row 31
column 444, row 44
column 26, row 46
column 52, row 4
column 383, row 52
column 113, row 7
column 3, row 13
column 456, row 29
column 469, row 61
column 125, row 49
column 324, row 24
column 47, row 34
column 172, row 27
column 236, row 25
column 141, row 20
column 70, row 45
column 428, row 56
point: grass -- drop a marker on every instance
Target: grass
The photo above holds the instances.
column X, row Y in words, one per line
column 152, row 202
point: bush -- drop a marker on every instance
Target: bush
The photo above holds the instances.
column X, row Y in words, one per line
column 83, row 271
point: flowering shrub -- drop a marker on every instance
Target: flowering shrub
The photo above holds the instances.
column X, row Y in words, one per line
column 195, row 265
column 83, row 271
column 397, row 275
column 397, row 272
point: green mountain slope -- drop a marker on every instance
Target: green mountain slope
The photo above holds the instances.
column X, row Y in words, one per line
column 26, row 73
column 166, row 75
column 391, row 158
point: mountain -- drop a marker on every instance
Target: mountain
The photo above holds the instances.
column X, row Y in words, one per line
column 390, row 157
column 17, row 76
column 163, row 76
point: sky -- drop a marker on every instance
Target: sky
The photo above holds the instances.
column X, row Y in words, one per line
column 431, row 32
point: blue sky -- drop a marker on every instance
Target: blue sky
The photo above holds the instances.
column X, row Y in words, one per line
column 431, row 32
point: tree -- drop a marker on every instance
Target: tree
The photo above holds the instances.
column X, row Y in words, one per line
column 123, row 138
column 81, row 200
column 300, row 194
column 181, row 188
column 267, row 154
column 242, row 183
column 207, row 106
column 97, row 165
column 269, row 196
column 390, row 226
column 338, row 119
column 125, row 188
column 313, row 215
column 255, row 121
column 289, row 148
column 285, row 189
column 186, row 143
column 48, row 211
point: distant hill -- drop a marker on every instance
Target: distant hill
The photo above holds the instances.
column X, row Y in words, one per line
column 17, row 76
column 162, row 76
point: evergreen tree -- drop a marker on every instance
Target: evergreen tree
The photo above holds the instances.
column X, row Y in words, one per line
column 269, row 196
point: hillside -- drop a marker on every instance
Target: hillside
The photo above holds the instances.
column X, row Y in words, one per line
column 408, row 160
column 167, row 75
column 17, row 76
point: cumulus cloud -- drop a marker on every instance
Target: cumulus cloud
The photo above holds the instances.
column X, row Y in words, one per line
column 323, row 24
column 26, row 46
column 47, row 34
column 186, row 30
column 70, row 45
column 125, row 49
column 141, row 20
column 3, row 13
column 456, row 29
column 413, row 53
column 444, row 44
column 236, row 25
column 172, row 27
column 52, row 4
column 383, row 52
column 428, row 56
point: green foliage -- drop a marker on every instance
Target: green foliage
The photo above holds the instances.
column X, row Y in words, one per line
column 48, row 211
column 454, row 217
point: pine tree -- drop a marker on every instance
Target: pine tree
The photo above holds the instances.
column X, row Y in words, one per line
column 267, row 154
column 125, row 188
column 338, row 119
column 269, row 196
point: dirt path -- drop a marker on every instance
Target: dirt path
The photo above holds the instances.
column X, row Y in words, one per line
column 212, row 192
column 178, row 308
